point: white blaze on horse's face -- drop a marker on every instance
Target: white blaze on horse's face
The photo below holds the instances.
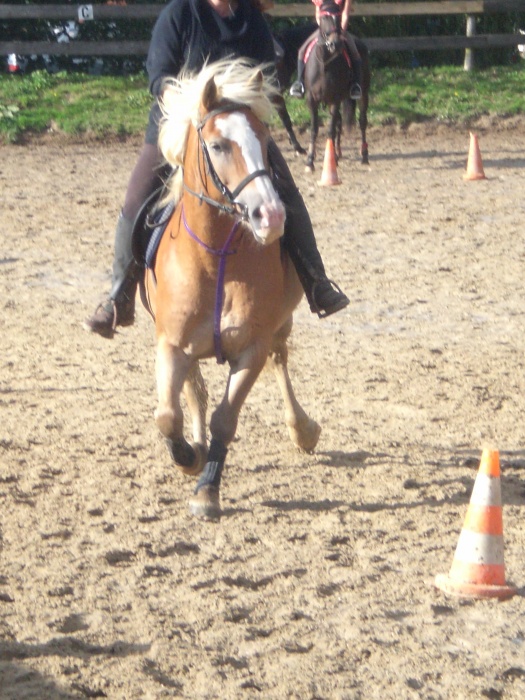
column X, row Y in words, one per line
column 265, row 210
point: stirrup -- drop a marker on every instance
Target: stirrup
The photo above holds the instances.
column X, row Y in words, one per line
column 104, row 320
column 297, row 89
column 355, row 92
column 338, row 302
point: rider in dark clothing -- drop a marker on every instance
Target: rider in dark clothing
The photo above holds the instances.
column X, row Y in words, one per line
column 186, row 35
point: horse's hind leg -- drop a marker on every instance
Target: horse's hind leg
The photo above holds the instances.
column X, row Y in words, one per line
column 282, row 111
column 172, row 369
column 363, row 124
column 304, row 431
column 196, row 396
column 314, row 130
column 337, row 128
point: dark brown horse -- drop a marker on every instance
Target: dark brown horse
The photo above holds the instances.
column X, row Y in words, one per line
column 221, row 285
column 328, row 77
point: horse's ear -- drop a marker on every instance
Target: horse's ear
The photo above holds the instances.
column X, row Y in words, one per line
column 209, row 95
column 257, row 80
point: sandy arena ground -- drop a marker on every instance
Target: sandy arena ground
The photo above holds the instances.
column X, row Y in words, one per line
column 317, row 583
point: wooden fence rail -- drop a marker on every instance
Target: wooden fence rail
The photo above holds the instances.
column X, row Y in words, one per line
column 103, row 12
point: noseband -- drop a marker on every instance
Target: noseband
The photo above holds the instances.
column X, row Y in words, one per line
column 235, row 208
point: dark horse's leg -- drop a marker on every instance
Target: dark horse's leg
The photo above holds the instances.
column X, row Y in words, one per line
column 280, row 106
column 363, row 102
column 363, row 123
column 314, row 130
column 336, row 126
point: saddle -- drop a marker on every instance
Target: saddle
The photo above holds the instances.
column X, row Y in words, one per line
column 311, row 46
column 148, row 228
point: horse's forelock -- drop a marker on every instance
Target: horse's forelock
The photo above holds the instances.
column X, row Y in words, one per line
column 238, row 81
column 182, row 101
column 334, row 16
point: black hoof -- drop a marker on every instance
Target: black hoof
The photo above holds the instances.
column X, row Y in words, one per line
column 181, row 452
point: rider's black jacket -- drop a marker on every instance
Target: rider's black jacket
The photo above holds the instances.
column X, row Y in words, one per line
column 189, row 32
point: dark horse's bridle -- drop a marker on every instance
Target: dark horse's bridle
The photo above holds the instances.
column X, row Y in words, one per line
column 330, row 44
column 234, row 208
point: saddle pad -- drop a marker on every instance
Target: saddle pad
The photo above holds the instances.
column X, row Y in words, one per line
column 160, row 221
column 309, row 50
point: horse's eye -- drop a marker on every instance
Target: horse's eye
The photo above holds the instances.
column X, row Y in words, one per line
column 215, row 146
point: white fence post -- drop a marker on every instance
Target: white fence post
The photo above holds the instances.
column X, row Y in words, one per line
column 468, row 65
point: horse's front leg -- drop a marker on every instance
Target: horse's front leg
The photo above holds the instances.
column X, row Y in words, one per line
column 205, row 502
column 314, row 130
column 172, row 368
column 303, row 430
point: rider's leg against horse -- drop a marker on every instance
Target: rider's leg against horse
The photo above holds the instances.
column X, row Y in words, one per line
column 119, row 307
column 297, row 88
column 357, row 67
column 324, row 296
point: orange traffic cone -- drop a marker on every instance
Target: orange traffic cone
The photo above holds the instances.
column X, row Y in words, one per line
column 329, row 174
column 474, row 165
column 478, row 570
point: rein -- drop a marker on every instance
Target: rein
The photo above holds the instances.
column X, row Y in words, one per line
column 235, row 209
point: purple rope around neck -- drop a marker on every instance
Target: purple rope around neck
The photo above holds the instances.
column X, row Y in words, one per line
column 219, row 292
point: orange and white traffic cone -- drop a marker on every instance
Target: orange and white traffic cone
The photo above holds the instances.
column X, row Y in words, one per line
column 329, row 174
column 478, row 570
column 474, row 164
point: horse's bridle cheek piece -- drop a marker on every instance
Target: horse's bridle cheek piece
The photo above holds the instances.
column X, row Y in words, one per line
column 336, row 30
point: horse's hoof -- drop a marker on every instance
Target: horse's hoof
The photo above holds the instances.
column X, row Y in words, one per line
column 205, row 503
column 309, row 168
column 189, row 459
column 201, row 454
column 306, row 436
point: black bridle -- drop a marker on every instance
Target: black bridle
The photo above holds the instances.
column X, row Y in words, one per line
column 325, row 36
column 234, row 207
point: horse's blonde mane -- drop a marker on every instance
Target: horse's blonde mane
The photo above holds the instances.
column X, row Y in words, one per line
column 235, row 80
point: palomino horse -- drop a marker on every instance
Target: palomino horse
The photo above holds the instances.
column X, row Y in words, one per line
column 221, row 284
column 328, row 77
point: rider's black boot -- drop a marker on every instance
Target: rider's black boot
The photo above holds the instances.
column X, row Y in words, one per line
column 297, row 88
column 357, row 69
column 324, row 297
column 119, row 308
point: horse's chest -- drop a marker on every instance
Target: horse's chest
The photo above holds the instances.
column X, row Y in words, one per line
column 241, row 314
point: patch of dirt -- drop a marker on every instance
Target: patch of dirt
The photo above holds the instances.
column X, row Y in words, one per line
column 318, row 580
